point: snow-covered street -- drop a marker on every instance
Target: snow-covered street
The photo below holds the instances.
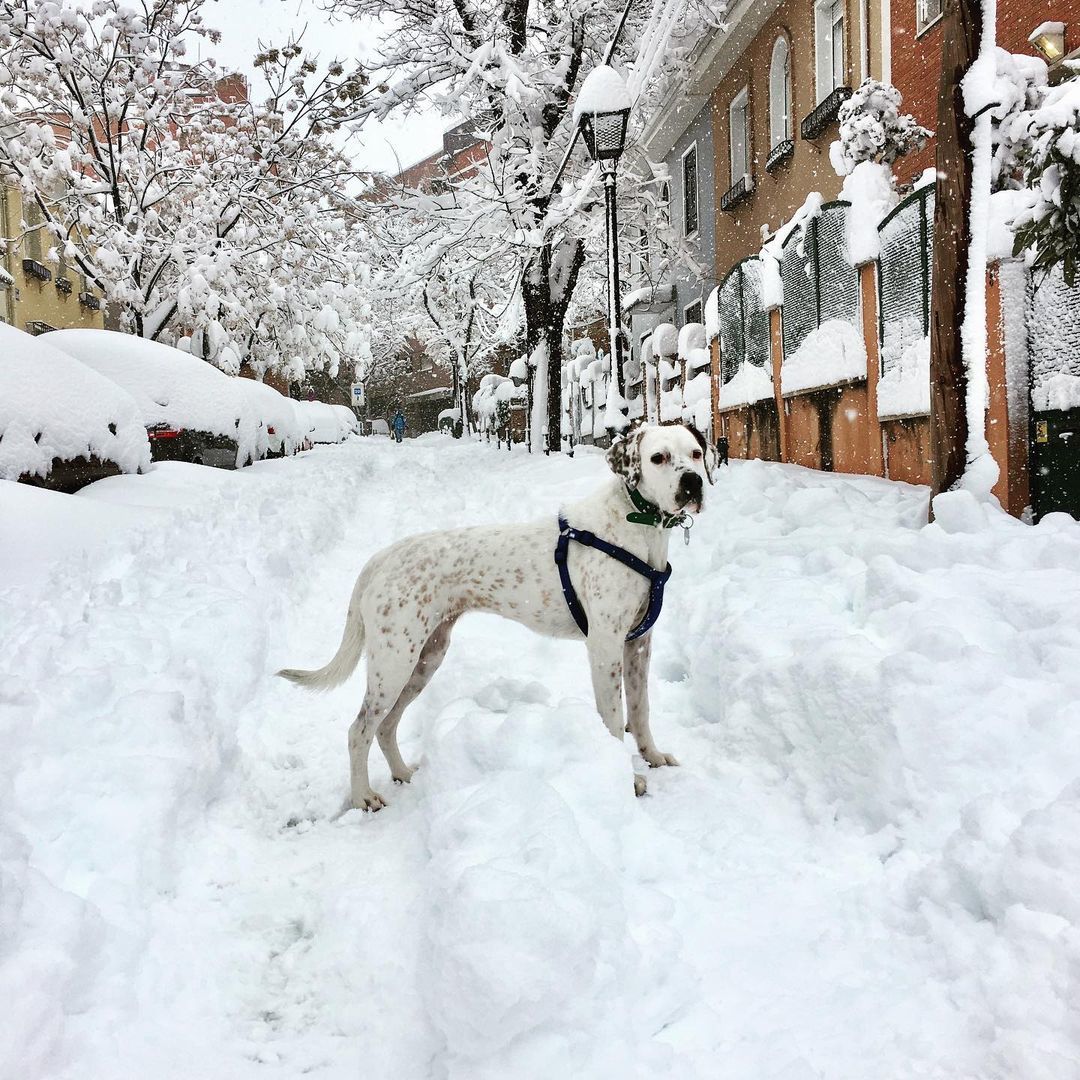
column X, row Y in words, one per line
column 866, row 866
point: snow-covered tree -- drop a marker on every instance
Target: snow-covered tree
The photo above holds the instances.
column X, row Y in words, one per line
column 200, row 214
column 513, row 70
column 1046, row 140
column 872, row 128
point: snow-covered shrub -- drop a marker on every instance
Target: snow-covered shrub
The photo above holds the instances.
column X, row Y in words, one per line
column 1049, row 156
column 872, row 128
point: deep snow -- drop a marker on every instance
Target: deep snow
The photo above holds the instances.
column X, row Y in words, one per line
column 865, row 867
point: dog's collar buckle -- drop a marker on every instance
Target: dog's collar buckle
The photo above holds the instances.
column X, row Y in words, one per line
column 657, row 578
column 647, row 513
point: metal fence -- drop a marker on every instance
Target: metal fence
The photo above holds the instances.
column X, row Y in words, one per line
column 904, row 265
column 743, row 319
column 819, row 282
column 1053, row 328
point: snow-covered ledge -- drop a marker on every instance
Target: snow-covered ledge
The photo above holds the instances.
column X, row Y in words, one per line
column 832, row 354
column 904, row 390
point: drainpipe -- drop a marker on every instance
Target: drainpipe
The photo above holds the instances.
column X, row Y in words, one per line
column 864, row 40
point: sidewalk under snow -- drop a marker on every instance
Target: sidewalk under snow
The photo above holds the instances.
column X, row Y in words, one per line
column 865, row 869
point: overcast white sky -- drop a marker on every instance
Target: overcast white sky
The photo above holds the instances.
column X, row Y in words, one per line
column 244, row 23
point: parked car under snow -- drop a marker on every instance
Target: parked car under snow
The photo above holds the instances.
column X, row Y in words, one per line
column 62, row 425
column 191, row 410
column 326, row 423
column 285, row 434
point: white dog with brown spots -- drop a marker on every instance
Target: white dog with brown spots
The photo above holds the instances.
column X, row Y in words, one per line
column 408, row 597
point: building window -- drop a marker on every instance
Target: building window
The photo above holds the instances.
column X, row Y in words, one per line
column 829, row 34
column 780, row 93
column 692, row 313
column 33, row 219
column 927, row 12
column 690, row 191
column 739, row 133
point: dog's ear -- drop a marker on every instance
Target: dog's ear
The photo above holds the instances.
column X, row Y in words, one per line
column 708, row 454
column 624, row 457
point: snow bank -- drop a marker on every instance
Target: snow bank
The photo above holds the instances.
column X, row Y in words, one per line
column 904, row 389
column 833, row 353
column 749, row 385
column 170, row 387
column 52, row 406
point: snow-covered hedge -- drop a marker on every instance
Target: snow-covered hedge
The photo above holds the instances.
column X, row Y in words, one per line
column 52, row 406
column 170, row 387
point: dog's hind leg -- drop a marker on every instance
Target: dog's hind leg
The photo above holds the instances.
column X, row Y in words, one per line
column 388, row 673
column 636, row 677
column 431, row 656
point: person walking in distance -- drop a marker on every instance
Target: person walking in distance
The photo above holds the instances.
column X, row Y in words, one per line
column 397, row 425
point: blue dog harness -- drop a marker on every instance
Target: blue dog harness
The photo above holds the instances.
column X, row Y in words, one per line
column 657, row 578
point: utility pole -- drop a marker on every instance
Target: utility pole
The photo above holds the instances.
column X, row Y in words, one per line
column 952, row 239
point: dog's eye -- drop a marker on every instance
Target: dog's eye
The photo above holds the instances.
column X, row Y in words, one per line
column 696, row 455
column 658, row 459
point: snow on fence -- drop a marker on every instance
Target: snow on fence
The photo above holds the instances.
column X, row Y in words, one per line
column 742, row 323
column 904, row 266
column 1053, row 341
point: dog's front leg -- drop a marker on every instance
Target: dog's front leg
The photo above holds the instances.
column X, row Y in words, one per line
column 636, row 674
column 606, row 663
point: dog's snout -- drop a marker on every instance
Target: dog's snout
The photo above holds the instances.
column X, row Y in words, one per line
column 690, row 488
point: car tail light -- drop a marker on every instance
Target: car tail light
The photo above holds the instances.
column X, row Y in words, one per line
column 163, row 431
column 270, row 431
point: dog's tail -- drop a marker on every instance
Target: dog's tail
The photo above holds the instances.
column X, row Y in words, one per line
column 344, row 661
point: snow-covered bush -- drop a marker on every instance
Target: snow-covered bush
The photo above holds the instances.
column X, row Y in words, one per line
column 1049, row 156
column 872, row 128
column 52, row 407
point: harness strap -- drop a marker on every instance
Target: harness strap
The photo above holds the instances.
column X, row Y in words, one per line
column 657, row 578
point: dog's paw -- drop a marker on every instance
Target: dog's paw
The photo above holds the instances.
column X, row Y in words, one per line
column 639, row 785
column 406, row 776
column 370, row 800
column 656, row 758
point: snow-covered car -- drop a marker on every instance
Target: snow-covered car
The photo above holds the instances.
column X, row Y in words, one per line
column 284, row 432
column 380, row 427
column 191, row 410
column 347, row 420
column 326, row 423
column 62, row 425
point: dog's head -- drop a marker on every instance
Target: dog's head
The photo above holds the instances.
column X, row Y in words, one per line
column 668, row 464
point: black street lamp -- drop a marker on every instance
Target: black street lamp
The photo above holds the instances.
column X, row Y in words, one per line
column 602, row 111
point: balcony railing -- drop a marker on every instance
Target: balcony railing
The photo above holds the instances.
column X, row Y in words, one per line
column 63, row 285
column 737, row 193
column 779, row 154
column 36, row 327
column 36, row 269
column 89, row 300
column 817, row 121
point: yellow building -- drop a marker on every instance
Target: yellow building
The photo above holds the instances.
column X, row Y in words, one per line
column 38, row 294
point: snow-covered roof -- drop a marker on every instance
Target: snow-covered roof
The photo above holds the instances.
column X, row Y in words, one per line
column 51, row 406
column 169, row 386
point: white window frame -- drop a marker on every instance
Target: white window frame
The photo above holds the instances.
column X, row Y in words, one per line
column 687, row 231
column 740, row 103
column 780, row 112
column 828, row 56
column 923, row 19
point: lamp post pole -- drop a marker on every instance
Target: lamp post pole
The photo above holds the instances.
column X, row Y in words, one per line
column 602, row 112
column 615, row 337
